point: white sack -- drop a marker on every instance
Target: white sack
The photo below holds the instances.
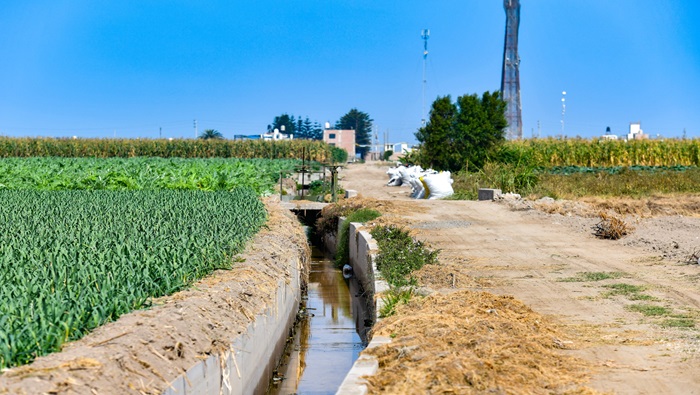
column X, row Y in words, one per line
column 439, row 185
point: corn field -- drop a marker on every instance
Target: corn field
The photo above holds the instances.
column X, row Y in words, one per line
column 602, row 153
column 181, row 148
column 73, row 260
column 215, row 174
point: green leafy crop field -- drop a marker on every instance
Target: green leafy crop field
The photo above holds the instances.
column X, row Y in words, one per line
column 73, row 260
column 213, row 174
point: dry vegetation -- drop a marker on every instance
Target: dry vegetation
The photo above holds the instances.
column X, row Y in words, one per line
column 474, row 342
column 611, row 227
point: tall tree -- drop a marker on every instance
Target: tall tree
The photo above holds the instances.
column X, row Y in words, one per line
column 317, row 131
column 286, row 120
column 211, row 134
column 463, row 134
column 301, row 128
column 362, row 124
column 437, row 135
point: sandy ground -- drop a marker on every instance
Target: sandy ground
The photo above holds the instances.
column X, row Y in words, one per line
column 142, row 352
column 512, row 249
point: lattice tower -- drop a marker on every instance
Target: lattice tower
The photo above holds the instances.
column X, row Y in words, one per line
column 510, row 77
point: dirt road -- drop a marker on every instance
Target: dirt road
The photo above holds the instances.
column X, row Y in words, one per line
column 555, row 266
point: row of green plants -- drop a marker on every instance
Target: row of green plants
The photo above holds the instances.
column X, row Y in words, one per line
column 179, row 148
column 212, row 174
column 73, row 260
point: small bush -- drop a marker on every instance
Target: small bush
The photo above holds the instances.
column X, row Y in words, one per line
column 338, row 155
column 399, row 255
column 611, row 227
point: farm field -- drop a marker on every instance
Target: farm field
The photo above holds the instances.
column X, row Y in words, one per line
column 211, row 174
column 162, row 148
column 85, row 240
column 601, row 153
column 73, row 260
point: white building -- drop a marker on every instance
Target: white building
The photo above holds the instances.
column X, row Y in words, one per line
column 636, row 132
column 402, row 148
column 277, row 135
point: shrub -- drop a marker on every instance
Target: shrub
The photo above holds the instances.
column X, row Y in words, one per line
column 400, row 255
column 611, row 227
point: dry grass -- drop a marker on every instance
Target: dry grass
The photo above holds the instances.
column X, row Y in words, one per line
column 473, row 342
column 655, row 206
column 449, row 275
column 611, row 227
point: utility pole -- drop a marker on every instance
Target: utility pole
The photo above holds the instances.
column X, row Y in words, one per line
column 425, row 35
column 386, row 138
column 539, row 129
column 195, row 129
column 160, row 132
column 563, row 111
column 684, row 134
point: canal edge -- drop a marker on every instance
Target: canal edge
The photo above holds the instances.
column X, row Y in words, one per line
column 363, row 250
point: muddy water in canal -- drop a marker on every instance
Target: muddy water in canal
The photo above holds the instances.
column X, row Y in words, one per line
column 326, row 341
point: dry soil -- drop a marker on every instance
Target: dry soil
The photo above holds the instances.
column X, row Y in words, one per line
column 550, row 262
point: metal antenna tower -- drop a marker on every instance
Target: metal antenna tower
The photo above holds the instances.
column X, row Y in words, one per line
column 510, row 77
column 425, row 35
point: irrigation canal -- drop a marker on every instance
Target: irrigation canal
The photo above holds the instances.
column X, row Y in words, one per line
column 326, row 340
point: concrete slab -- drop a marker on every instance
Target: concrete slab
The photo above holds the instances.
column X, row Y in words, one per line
column 488, row 193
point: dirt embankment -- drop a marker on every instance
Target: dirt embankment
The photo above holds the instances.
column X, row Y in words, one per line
column 144, row 351
column 628, row 310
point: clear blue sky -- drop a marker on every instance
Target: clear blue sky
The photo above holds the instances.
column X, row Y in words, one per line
column 99, row 68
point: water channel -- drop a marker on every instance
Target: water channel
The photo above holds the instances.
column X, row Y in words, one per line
column 326, row 340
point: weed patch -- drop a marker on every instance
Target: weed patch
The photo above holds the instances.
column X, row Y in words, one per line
column 684, row 322
column 592, row 276
column 632, row 292
column 399, row 255
column 393, row 298
column 650, row 310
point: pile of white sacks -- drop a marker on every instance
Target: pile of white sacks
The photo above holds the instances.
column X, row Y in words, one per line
column 425, row 184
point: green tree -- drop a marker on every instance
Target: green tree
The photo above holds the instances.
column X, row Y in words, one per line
column 286, row 120
column 462, row 134
column 308, row 130
column 362, row 124
column 211, row 134
column 300, row 128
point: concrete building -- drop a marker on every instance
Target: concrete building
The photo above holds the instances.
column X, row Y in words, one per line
column 636, row 132
column 344, row 139
column 402, row 148
column 277, row 135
